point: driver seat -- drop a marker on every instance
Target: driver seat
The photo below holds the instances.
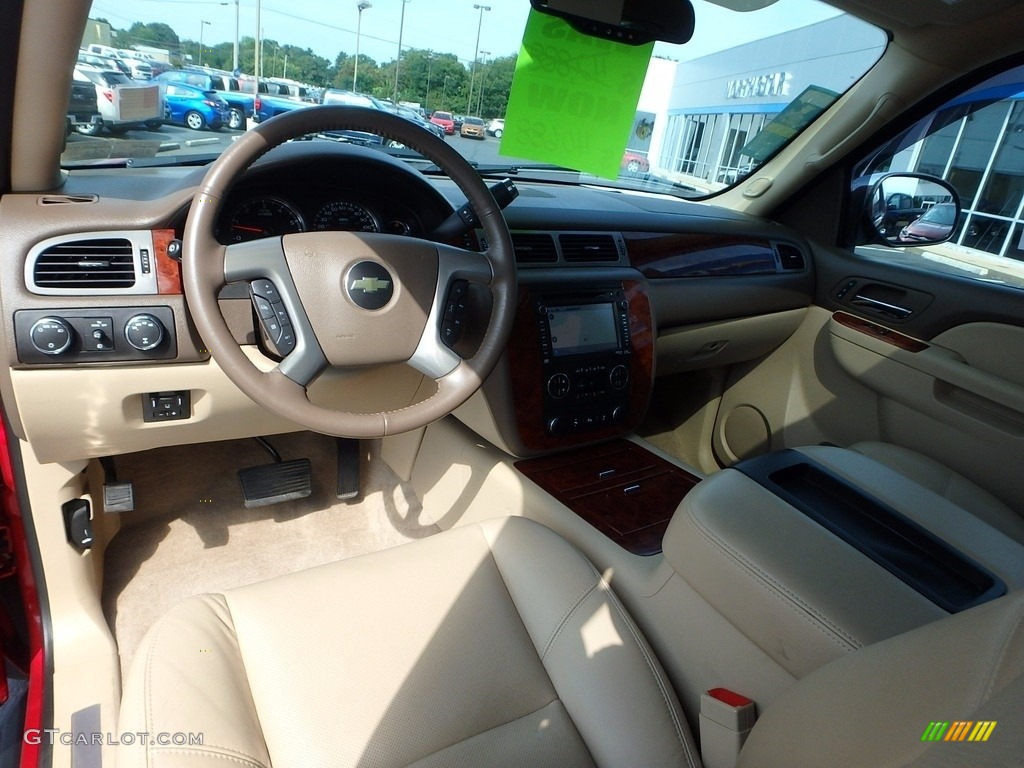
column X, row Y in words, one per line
column 491, row 644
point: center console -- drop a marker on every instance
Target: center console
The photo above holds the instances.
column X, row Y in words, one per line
column 818, row 551
column 580, row 360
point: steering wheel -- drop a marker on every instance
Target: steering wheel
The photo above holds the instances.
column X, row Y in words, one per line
column 351, row 299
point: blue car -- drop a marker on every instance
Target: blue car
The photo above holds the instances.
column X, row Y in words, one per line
column 194, row 107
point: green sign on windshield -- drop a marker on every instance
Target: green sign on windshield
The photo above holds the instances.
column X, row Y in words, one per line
column 573, row 97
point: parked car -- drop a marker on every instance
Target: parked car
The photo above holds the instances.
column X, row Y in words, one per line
column 934, row 224
column 124, row 103
column 457, row 123
column 445, row 120
column 413, row 115
column 242, row 105
column 634, row 162
column 83, row 111
column 472, row 128
column 104, row 62
column 650, row 470
column 352, row 99
column 496, row 127
column 194, row 107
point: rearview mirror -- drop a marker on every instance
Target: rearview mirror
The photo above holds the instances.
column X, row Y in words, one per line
column 912, row 209
column 634, row 22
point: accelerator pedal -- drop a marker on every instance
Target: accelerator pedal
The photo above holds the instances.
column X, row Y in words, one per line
column 277, row 482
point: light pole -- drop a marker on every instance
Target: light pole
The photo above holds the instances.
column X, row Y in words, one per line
column 444, row 91
column 476, row 52
column 202, row 24
column 483, row 76
column 430, row 63
column 234, row 53
column 398, row 61
column 362, row 6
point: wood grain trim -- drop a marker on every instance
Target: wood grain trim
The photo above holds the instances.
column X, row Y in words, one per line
column 168, row 271
column 623, row 490
column 880, row 332
column 524, row 355
column 699, row 254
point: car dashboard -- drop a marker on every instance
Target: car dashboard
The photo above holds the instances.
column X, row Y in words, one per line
column 638, row 272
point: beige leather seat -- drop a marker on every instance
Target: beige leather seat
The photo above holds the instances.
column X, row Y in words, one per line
column 872, row 707
column 945, row 482
column 492, row 644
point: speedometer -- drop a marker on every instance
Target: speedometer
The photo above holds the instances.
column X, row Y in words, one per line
column 345, row 216
column 264, row 217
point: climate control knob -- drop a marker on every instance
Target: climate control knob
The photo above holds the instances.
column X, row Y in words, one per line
column 144, row 332
column 51, row 335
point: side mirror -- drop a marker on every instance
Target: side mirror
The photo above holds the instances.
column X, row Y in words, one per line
column 634, row 22
column 931, row 219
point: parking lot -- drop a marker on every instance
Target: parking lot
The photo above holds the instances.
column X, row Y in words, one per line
column 183, row 141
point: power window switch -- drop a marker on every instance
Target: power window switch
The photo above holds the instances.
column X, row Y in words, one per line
column 166, row 406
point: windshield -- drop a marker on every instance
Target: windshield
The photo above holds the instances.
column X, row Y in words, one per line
column 699, row 117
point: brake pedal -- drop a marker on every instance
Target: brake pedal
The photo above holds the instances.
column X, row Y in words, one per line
column 274, row 483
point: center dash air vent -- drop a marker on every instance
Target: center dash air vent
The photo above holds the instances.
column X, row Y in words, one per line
column 94, row 264
column 588, row 247
column 790, row 257
column 534, row 248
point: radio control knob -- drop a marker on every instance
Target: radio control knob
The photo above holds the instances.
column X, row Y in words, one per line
column 144, row 332
column 623, row 304
column 559, row 386
column 618, row 377
column 554, row 425
column 618, row 412
column 51, row 335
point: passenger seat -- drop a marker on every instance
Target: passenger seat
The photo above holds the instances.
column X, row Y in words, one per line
column 943, row 481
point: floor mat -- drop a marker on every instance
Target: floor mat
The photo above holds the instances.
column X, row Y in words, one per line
column 190, row 532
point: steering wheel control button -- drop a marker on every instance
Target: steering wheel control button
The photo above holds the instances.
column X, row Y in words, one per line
column 454, row 313
column 266, row 289
column 144, row 332
column 286, row 340
column 51, row 335
column 264, row 307
column 369, row 285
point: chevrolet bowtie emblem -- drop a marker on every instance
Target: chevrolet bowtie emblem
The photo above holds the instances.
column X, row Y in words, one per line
column 369, row 284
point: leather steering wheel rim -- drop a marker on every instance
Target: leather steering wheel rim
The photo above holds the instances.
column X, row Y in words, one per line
column 208, row 266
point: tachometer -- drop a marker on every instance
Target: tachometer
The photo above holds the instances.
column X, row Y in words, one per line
column 264, row 217
column 345, row 216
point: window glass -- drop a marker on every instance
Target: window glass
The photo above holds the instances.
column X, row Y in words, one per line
column 975, row 142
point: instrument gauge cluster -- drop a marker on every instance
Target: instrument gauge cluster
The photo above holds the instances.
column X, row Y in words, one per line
column 257, row 216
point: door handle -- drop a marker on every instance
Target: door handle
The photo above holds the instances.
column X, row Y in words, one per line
column 882, row 307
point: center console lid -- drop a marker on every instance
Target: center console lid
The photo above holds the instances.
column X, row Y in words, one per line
column 808, row 553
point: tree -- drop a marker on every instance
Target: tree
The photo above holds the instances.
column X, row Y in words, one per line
column 156, row 35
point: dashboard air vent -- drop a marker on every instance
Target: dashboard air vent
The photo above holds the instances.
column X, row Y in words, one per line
column 96, row 263
column 534, row 248
column 595, row 247
column 790, row 257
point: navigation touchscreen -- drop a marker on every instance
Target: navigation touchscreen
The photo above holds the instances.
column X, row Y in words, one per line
column 583, row 328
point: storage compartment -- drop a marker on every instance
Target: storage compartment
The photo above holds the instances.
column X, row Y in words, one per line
column 913, row 554
column 623, row 490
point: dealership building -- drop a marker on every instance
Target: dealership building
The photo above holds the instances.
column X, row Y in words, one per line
column 706, row 113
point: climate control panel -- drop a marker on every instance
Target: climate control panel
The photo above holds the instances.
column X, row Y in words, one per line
column 101, row 335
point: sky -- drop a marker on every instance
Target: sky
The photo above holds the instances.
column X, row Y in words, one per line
column 446, row 26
